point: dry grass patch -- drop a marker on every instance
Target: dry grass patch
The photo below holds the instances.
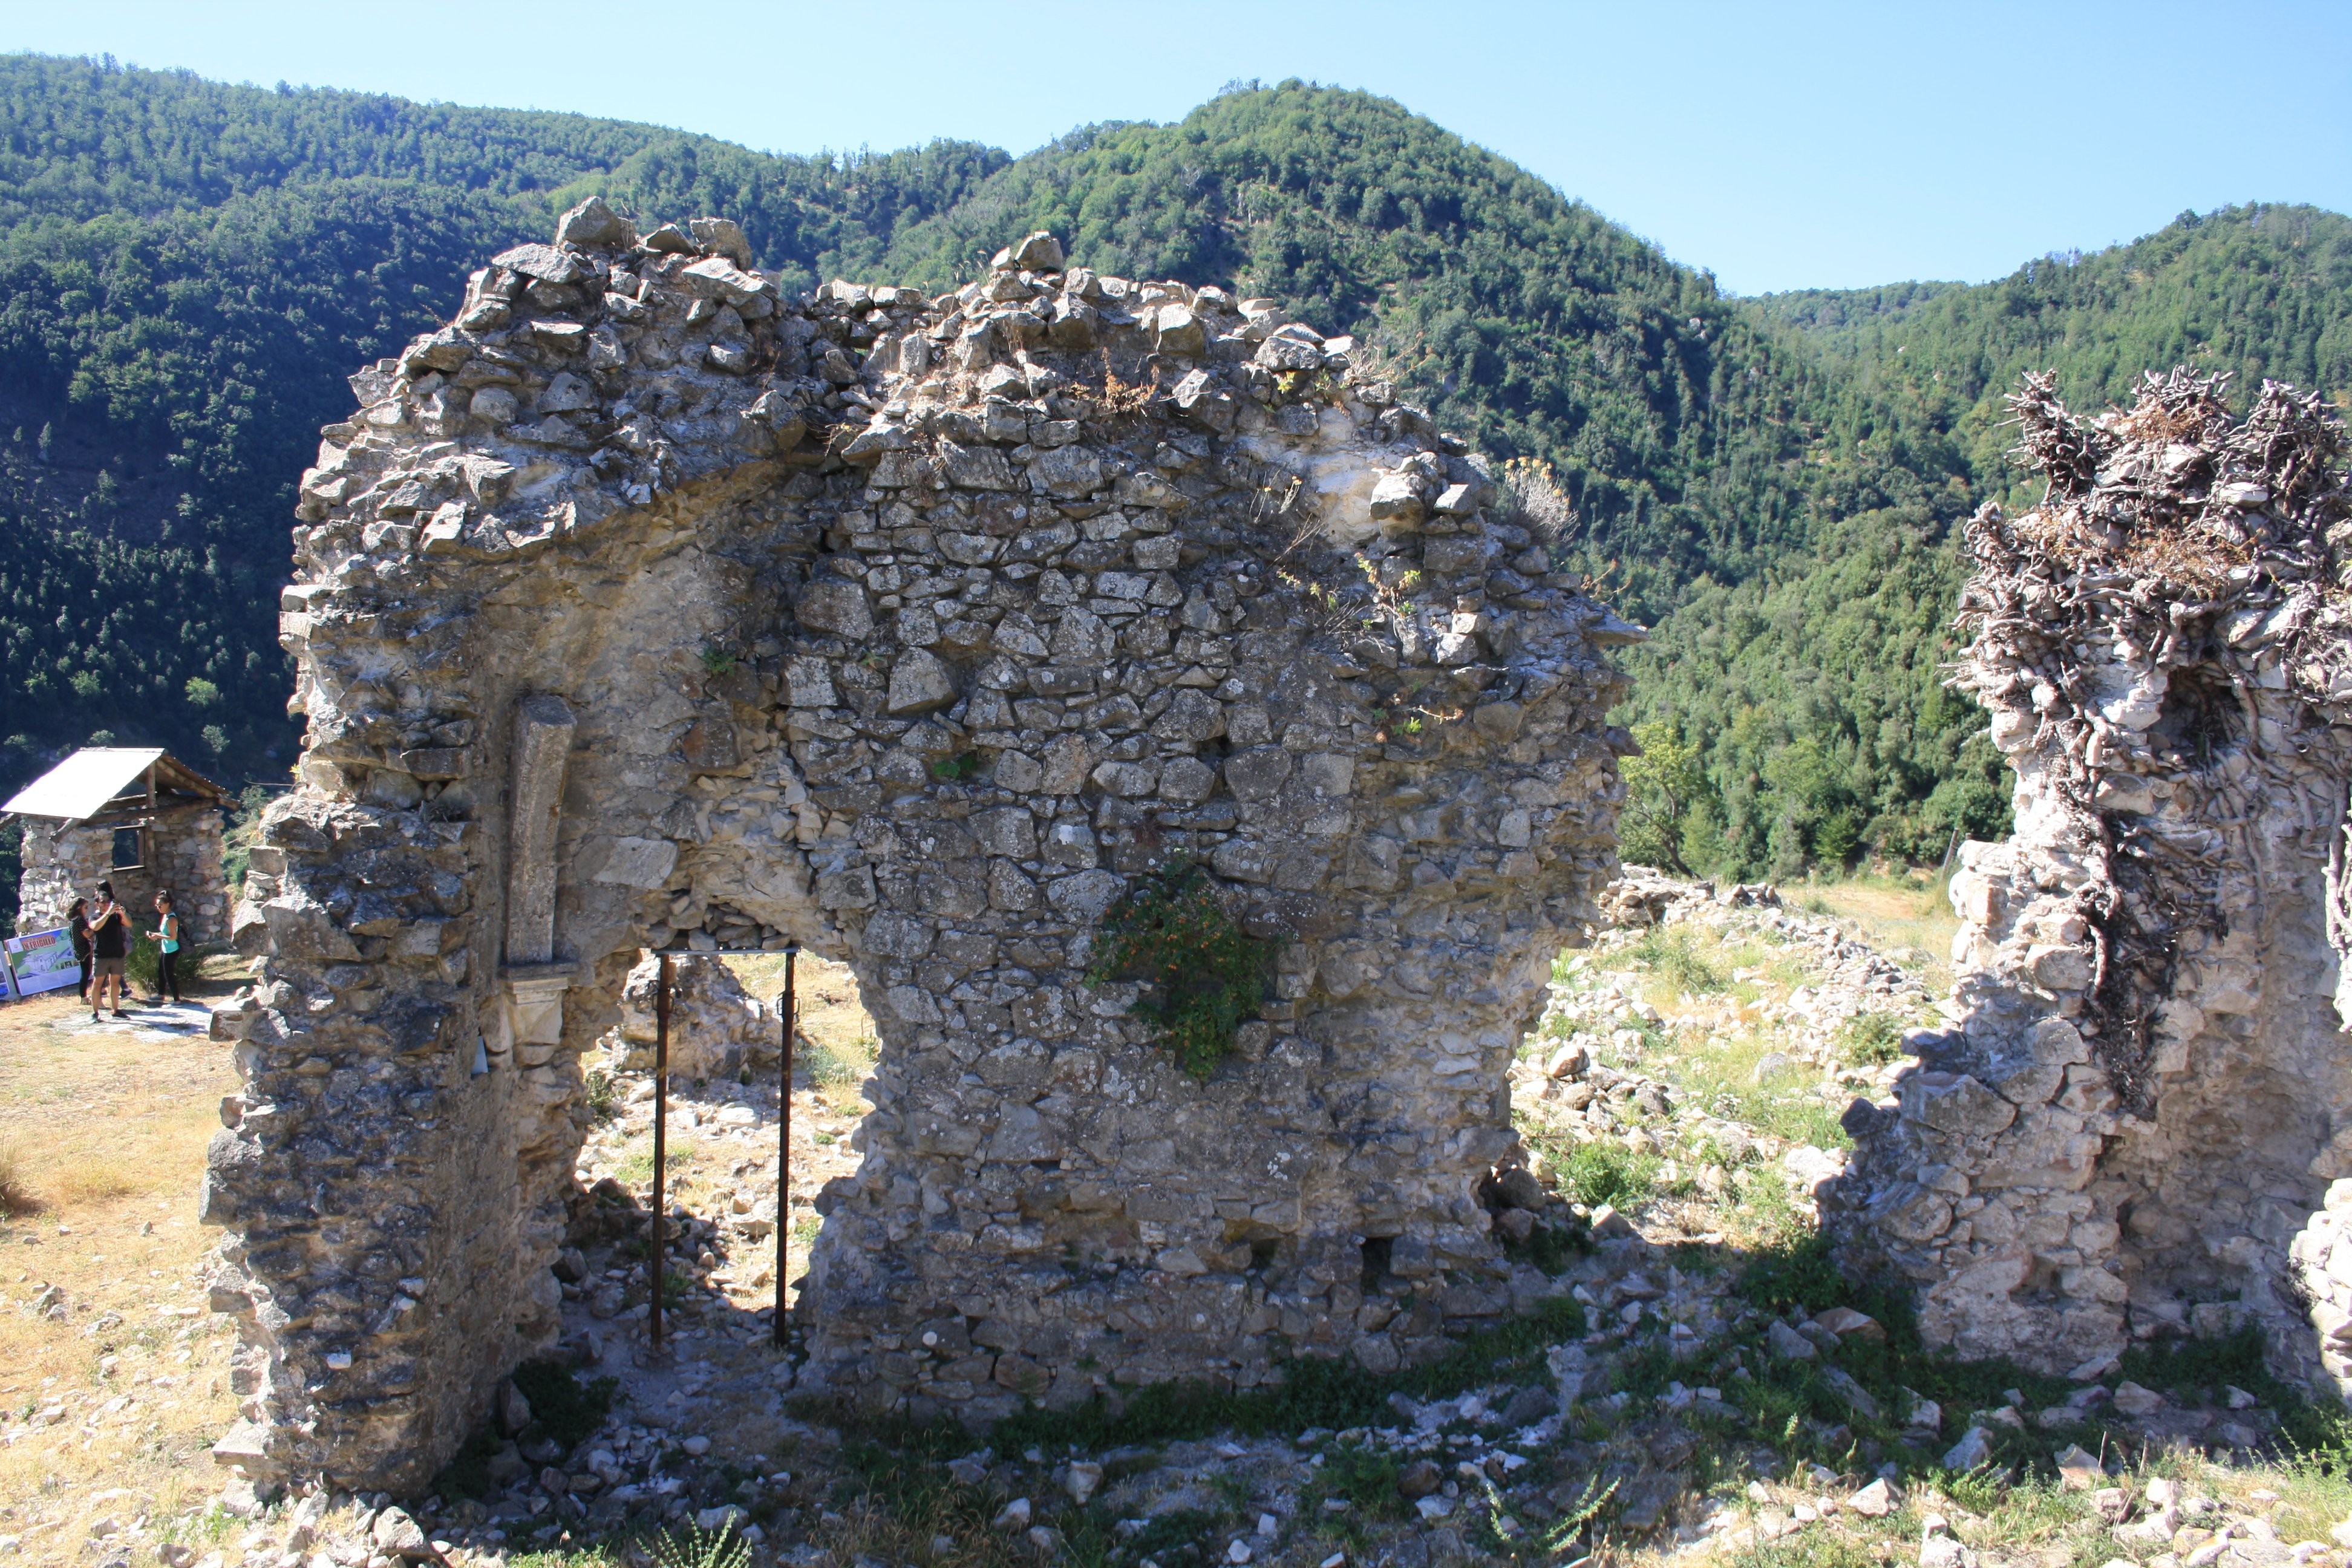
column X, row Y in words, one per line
column 1892, row 914
column 112, row 1393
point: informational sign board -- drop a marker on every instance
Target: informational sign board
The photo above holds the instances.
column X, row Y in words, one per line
column 41, row 960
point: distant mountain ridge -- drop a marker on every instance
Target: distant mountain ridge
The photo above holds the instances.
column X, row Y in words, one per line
column 189, row 269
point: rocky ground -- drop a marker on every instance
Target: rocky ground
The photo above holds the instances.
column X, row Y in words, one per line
column 1690, row 1381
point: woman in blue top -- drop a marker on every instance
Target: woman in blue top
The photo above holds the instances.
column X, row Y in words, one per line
column 167, row 935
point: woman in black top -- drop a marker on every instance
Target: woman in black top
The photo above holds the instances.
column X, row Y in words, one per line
column 78, row 928
column 110, row 939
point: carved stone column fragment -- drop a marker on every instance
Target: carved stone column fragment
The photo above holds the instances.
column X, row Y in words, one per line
column 535, row 979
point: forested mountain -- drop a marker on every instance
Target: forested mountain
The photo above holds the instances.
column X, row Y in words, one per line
column 188, row 271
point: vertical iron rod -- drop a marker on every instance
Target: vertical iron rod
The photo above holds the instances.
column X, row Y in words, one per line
column 661, row 1135
column 789, row 1007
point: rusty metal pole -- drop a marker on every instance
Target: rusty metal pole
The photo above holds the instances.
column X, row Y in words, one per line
column 661, row 1141
column 790, row 1008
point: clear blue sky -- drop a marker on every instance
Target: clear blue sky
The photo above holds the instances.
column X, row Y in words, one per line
column 1782, row 146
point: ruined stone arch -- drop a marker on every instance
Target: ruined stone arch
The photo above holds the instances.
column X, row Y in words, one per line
column 913, row 630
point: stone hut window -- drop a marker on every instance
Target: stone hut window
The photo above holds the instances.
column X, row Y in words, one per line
column 129, row 849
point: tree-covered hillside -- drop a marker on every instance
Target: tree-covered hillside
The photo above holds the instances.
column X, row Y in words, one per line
column 2258, row 292
column 188, row 271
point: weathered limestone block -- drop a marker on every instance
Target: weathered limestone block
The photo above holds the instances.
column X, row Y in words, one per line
column 914, row 631
column 2148, row 1084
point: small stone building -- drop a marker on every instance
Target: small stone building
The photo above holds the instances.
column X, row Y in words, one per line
column 133, row 816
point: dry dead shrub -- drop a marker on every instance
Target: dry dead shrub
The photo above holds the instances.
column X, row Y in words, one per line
column 17, row 1195
column 1532, row 499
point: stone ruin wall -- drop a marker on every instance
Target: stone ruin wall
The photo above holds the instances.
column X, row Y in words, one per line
column 717, row 1030
column 642, row 606
column 2144, row 1097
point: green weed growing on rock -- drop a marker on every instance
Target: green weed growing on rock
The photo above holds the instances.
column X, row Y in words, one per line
column 1202, row 976
column 692, row 1546
column 1672, row 959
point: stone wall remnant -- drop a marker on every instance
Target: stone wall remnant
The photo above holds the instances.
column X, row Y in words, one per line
column 2145, row 1096
column 910, row 629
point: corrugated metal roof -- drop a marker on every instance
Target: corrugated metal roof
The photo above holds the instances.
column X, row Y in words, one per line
column 80, row 786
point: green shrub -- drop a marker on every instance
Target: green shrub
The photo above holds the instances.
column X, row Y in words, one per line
column 1601, row 1171
column 832, row 1066
column 1798, row 1276
column 602, row 1092
column 467, row 1473
column 1194, row 1532
column 1366, row 1477
column 1549, row 1249
column 1670, row 957
column 1202, row 976
column 1873, row 1038
column 691, row 1546
column 143, row 967
column 562, row 1408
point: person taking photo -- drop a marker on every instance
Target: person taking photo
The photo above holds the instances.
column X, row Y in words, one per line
column 110, row 941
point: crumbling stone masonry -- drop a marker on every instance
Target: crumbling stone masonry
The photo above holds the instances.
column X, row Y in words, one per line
column 643, row 608
column 2145, row 1096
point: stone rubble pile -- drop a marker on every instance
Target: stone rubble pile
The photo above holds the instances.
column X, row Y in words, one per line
column 2144, row 1096
column 642, row 606
column 1589, row 1082
column 717, row 1030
